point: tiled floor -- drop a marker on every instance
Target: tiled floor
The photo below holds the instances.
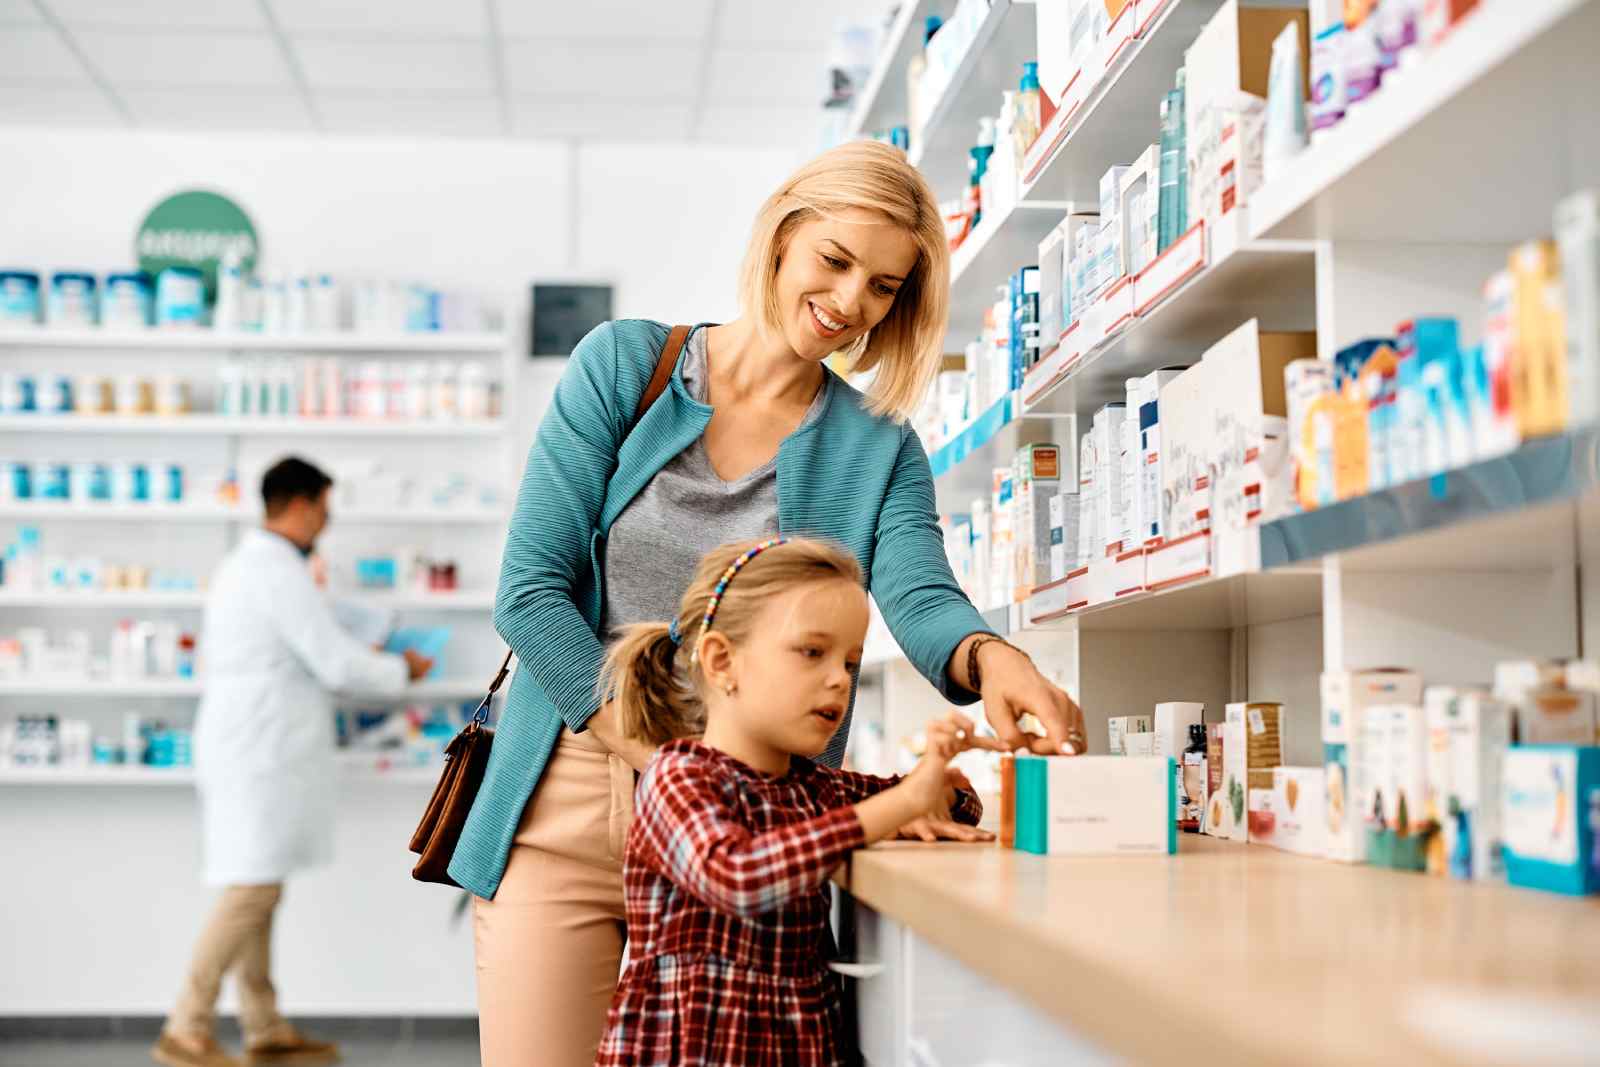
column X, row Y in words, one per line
column 422, row 1052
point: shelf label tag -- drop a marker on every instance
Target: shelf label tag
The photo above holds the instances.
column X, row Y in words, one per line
column 1115, row 309
column 1182, row 260
column 1176, row 562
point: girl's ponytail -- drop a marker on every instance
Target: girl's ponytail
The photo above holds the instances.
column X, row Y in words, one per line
column 655, row 702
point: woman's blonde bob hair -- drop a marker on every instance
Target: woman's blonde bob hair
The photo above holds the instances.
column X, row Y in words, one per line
column 906, row 346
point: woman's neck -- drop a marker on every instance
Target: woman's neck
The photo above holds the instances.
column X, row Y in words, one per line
column 744, row 365
column 725, row 736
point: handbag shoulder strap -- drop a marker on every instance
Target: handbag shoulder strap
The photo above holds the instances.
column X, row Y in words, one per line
column 658, row 385
column 664, row 368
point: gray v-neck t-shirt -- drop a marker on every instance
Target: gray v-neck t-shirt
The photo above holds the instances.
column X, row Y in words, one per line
column 684, row 512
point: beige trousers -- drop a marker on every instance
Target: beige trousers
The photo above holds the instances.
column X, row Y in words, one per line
column 237, row 937
column 549, row 945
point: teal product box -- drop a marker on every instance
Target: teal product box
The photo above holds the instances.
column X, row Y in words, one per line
column 1024, row 323
column 1550, row 817
column 1096, row 805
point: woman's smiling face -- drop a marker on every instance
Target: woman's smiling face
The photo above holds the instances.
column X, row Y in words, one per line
column 838, row 278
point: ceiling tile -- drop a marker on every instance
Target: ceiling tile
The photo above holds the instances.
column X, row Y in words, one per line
column 603, row 70
column 57, row 107
column 164, row 14
column 179, row 60
column 608, row 19
column 463, row 18
column 600, row 120
column 422, row 66
column 770, row 125
column 19, row 13
column 217, row 110
column 449, row 116
column 785, row 24
column 30, row 55
column 750, row 74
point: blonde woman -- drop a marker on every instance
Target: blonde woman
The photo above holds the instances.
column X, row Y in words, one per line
column 753, row 436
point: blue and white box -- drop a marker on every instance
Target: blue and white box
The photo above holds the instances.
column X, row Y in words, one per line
column 1550, row 815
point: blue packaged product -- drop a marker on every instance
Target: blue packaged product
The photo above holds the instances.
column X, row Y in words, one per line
column 73, row 299
column 174, row 486
column 1550, row 817
column 18, row 394
column 180, row 298
column 55, row 479
column 55, row 395
column 19, row 478
column 19, row 298
column 127, row 300
column 1024, row 323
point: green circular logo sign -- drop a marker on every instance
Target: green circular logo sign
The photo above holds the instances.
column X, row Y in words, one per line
column 195, row 229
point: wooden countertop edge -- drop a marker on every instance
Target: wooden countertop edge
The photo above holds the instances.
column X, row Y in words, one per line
column 1147, row 1018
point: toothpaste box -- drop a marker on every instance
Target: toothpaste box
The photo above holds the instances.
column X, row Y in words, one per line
column 1464, row 792
column 1550, row 815
column 1290, row 817
column 1346, row 697
column 1095, row 805
column 1120, row 727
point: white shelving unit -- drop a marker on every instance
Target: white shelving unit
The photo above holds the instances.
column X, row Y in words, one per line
column 228, row 426
column 989, row 256
column 132, row 599
column 61, row 511
column 164, row 688
column 225, row 341
column 882, row 102
column 183, row 777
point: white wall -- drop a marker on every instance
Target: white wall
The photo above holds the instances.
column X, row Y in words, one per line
column 102, row 898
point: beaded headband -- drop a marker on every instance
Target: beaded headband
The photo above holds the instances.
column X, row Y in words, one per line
column 722, row 587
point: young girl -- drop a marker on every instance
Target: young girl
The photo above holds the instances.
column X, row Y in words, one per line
column 735, row 833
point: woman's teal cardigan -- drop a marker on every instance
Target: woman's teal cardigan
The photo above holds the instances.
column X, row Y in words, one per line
column 858, row 479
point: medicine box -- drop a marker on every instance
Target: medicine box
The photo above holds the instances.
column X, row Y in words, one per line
column 1408, row 829
column 1139, row 744
column 1252, row 747
column 1053, row 258
column 1140, row 210
column 1346, row 697
column 1036, row 478
column 1550, row 812
column 1186, row 474
column 1290, row 817
column 1095, row 805
column 1555, row 715
column 1119, row 727
column 1063, row 535
column 1215, row 819
column 1172, row 722
column 1476, row 730
column 1111, row 192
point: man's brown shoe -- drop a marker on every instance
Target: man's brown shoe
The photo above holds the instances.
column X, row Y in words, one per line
column 172, row 1052
column 291, row 1049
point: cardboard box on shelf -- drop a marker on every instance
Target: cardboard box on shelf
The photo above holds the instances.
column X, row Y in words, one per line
column 1292, row 819
column 1172, row 721
column 1186, row 474
column 1477, row 734
column 1539, row 368
column 1036, row 480
column 1346, row 698
column 1139, row 210
column 1258, row 730
column 1405, row 813
column 1054, row 256
column 1095, row 805
column 1139, row 744
column 1119, row 727
column 1152, row 524
column 1550, row 804
column 1227, row 71
column 1217, row 819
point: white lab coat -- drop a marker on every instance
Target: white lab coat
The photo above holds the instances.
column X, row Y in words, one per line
column 274, row 650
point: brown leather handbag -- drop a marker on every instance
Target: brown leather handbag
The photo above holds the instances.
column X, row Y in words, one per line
column 467, row 755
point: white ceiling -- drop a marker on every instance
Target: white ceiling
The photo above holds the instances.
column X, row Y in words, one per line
column 747, row 72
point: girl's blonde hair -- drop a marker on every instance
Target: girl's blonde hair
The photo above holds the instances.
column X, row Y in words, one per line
column 649, row 676
column 906, row 346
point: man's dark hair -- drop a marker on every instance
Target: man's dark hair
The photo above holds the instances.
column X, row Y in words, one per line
column 291, row 479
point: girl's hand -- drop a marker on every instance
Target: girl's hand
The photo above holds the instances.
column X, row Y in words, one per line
column 1012, row 687
column 938, row 824
column 927, row 786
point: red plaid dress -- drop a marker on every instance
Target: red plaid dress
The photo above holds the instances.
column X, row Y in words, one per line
column 728, row 939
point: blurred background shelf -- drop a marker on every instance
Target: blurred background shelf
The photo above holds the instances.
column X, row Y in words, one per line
column 214, row 341
column 230, row 426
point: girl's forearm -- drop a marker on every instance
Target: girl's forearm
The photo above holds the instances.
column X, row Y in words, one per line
column 882, row 815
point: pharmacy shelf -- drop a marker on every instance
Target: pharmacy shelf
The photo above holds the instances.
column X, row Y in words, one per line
column 1112, row 112
column 43, row 511
column 1508, row 513
column 1273, row 281
column 175, row 688
column 223, row 341
column 461, row 600
column 882, row 102
column 990, row 255
column 992, row 63
column 1228, row 603
column 229, row 426
column 185, row 777
column 964, row 467
column 1475, row 143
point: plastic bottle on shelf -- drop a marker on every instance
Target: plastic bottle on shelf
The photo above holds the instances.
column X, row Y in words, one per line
column 419, row 392
column 474, row 391
column 445, row 377
column 299, row 311
column 324, row 304
column 252, row 305
column 333, row 399
column 228, row 312
column 310, row 389
column 275, row 305
column 1026, row 127
column 915, row 70
column 396, row 386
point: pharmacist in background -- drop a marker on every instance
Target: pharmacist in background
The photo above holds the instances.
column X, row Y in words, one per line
column 264, row 760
